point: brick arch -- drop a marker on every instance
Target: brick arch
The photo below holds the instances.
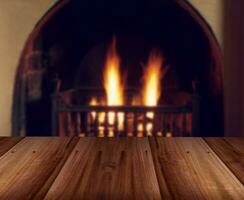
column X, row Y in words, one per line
column 18, row 107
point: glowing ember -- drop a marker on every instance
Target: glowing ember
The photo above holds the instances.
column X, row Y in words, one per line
column 113, row 84
column 93, row 102
column 100, row 117
column 168, row 135
column 159, row 133
column 149, row 128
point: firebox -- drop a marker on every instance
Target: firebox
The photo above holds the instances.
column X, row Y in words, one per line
column 121, row 68
column 114, row 111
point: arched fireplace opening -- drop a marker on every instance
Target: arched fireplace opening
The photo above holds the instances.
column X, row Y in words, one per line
column 70, row 42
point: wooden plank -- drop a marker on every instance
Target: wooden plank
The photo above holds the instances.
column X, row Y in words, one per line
column 192, row 170
column 107, row 168
column 25, row 170
column 231, row 152
column 6, row 143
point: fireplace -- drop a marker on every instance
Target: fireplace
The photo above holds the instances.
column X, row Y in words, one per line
column 116, row 110
column 60, row 86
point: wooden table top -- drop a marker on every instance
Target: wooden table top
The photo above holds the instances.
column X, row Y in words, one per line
column 121, row 168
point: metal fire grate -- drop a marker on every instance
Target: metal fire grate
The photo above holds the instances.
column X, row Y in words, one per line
column 72, row 116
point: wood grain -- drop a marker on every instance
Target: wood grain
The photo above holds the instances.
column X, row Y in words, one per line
column 121, row 168
column 108, row 168
column 25, row 169
column 6, row 143
column 192, row 170
column 231, row 152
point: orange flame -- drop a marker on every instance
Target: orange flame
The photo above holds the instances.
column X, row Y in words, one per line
column 151, row 79
column 113, row 84
column 151, row 89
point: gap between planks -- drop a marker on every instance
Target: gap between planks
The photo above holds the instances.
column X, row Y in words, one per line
column 164, row 185
column 231, row 151
column 192, row 170
column 107, row 168
column 41, row 160
column 7, row 143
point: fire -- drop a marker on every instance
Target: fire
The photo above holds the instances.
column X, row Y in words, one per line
column 151, row 88
column 151, row 79
column 114, row 88
column 152, row 75
column 113, row 84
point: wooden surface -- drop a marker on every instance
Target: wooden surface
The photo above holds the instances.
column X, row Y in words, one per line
column 231, row 152
column 121, row 168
